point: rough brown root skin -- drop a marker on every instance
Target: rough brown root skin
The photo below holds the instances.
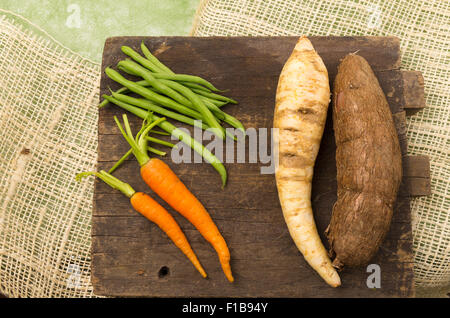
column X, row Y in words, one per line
column 368, row 162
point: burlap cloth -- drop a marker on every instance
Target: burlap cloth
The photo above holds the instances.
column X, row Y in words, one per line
column 48, row 121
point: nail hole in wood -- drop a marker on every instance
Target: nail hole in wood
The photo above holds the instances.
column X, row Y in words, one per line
column 163, row 272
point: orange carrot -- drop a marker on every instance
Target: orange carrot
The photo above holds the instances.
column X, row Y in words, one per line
column 154, row 212
column 163, row 181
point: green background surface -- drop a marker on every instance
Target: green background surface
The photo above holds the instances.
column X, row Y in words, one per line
column 83, row 25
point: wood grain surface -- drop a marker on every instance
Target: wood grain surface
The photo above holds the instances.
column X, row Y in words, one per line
column 132, row 257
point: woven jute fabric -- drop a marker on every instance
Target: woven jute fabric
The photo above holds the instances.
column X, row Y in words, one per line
column 423, row 28
column 48, row 122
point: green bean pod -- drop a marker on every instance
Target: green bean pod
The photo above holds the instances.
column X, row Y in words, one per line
column 178, row 87
column 214, row 96
column 191, row 81
column 216, row 102
column 195, row 85
column 136, row 69
column 232, row 121
column 145, row 83
column 141, row 60
column 192, row 98
column 196, row 146
column 119, row 99
column 153, row 64
column 151, row 95
column 154, row 60
column 142, row 103
column 188, row 80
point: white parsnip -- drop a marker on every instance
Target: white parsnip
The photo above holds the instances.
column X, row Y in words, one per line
column 302, row 99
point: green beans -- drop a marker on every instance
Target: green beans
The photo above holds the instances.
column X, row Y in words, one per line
column 163, row 71
column 125, row 101
column 142, row 103
column 218, row 103
column 185, row 98
column 232, row 121
column 198, row 104
column 214, row 96
column 138, row 58
column 149, row 94
column 195, row 85
column 136, row 69
column 154, row 60
column 184, row 90
column 159, row 85
column 188, row 81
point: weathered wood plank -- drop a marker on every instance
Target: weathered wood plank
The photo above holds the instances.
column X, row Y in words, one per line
column 128, row 252
column 417, row 170
column 400, row 125
column 414, row 93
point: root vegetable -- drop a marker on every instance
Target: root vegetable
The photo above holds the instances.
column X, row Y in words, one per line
column 369, row 164
column 302, row 99
column 153, row 211
column 163, row 181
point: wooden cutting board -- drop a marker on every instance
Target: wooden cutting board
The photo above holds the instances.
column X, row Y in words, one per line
column 132, row 257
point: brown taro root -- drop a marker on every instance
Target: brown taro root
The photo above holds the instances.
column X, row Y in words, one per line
column 369, row 165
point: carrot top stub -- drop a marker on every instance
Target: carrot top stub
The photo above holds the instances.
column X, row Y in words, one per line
column 110, row 180
column 138, row 144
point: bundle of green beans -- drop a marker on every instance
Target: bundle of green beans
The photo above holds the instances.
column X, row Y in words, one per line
column 186, row 98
